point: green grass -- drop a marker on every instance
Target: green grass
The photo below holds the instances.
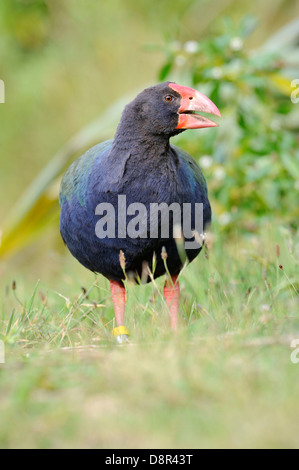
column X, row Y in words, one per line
column 226, row 379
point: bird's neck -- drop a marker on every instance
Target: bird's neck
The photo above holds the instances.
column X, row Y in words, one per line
column 142, row 147
column 141, row 154
column 141, row 162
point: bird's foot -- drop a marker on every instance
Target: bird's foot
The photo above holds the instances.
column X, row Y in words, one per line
column 122, row 339
column 121, row 334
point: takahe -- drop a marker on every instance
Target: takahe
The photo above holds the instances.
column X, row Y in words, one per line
column 107, row 194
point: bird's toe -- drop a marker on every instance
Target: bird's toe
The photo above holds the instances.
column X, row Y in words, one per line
column 122, row 339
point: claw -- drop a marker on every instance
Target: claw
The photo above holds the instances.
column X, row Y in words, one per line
column 122, row 339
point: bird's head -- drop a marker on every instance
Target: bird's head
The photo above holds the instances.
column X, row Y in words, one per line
column 168, row 108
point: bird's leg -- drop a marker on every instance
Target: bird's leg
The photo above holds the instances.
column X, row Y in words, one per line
column 172, row 296
column 119, row 301
column 118, row 292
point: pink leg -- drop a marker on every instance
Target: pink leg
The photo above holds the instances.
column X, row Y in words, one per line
column 172, row 296
column 119, row 301
column 118, row 292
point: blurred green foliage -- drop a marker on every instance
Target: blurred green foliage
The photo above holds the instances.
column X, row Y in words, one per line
column 26, row 22
column 252, row 160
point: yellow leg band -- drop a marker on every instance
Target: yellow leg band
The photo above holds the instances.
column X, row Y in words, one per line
column 120, row 330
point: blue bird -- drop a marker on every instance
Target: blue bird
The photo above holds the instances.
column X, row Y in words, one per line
column 120, row 200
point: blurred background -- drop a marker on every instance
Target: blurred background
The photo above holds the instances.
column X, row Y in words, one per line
column 70, row 66
column 226, row 380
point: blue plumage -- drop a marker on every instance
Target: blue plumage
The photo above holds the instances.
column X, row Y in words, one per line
column 141, row 165
column 92, row 179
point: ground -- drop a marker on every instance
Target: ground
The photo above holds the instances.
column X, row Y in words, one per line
column 225, row 380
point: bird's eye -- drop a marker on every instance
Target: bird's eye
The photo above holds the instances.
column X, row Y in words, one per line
column 168, row 98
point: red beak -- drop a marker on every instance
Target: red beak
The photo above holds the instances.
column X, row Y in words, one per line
column 192, row 101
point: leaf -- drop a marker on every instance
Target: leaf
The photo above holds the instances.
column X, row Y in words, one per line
column 31, row 300
column 164, row 72
column 282, row 83
column 286, row 36
column 9, row 324
column 291, row 165
column 248, row 25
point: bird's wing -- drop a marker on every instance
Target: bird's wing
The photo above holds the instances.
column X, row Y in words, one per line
column 75, row 180
column 194, row 172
